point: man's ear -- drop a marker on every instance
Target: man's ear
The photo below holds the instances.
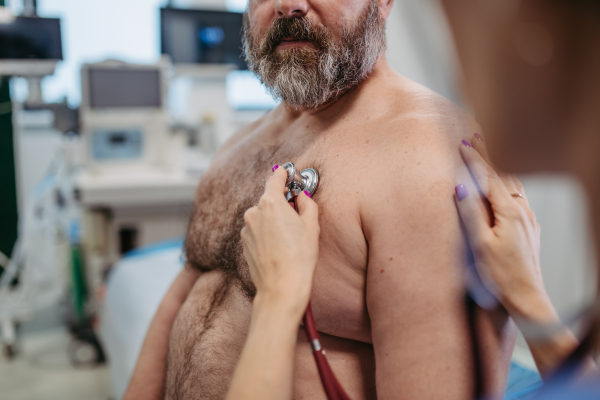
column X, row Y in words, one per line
column 385, row 7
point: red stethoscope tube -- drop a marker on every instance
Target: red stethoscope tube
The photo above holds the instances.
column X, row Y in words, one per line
column 333, row 389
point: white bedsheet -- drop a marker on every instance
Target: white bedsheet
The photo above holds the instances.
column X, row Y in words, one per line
column 136, row 287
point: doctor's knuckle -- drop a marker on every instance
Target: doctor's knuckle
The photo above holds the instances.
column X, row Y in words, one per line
column 266, row 201
column 249, row 215
column 519, row 186
column 513, row 213
column 522, row 217
column 491, row 175
column 316, row 228
column 485, row 242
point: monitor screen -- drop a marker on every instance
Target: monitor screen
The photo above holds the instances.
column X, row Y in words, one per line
column 202, row 36
column 31, row 38
column 124, row 87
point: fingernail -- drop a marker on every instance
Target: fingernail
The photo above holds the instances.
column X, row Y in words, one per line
column 461, row 192
column 466, row 143
column 308, row 194
column 478, row 137
column 274, row 168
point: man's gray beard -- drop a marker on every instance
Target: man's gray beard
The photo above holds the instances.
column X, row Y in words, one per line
column 308, row 78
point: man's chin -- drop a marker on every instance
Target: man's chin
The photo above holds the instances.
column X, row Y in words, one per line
column 307, row 104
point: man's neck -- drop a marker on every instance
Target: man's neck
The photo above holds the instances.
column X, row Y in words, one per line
column 380, row 68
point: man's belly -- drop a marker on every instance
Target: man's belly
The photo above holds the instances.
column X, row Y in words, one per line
column 209, row 334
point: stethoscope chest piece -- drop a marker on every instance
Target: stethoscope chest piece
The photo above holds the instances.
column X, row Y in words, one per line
column 306, row 180
column 310, row 180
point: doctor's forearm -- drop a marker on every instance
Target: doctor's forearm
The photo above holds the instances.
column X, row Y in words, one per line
column 148, row 377
column 265, row 368
column 551, row 352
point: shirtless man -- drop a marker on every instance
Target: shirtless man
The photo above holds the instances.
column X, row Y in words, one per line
column 387, row 293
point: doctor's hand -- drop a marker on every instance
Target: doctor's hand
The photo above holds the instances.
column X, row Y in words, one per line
column 281, row 246
column 506, row 244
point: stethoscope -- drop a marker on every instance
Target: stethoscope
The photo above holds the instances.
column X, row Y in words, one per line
column 477, row 297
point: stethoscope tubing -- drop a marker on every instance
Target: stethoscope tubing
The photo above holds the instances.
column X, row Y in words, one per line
column 331, row 385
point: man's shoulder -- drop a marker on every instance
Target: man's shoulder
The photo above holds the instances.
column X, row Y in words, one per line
column 408, row 104
column 417, row 126
column 419, row 138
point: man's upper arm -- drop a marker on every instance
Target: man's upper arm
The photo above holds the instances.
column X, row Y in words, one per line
column 414, row 286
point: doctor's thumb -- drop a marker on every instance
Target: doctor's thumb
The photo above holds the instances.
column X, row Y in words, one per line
column 307, row 208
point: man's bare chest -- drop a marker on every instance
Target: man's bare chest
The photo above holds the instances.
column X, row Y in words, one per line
column 233, row 184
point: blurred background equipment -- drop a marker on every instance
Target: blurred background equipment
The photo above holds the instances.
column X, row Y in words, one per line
column 30, row 47
column 25, row 39
column 133, row 188
column 201, row 36
column 123, row 118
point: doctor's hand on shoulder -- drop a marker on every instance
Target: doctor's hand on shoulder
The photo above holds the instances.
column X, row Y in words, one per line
column 281, row 245
column 505, row 240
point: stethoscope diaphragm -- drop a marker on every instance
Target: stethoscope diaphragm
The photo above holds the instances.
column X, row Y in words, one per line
column 305, row 180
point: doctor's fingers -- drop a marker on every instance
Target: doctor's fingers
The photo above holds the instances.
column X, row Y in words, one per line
column 510, row 181
column 520, row 190
column 472, row 205
column 276, row 183
column 247, row 238
column 251, row 264
column 246, row 243
column 490, row 183
column 474, row 215
column 478, row 144
column 308, row 210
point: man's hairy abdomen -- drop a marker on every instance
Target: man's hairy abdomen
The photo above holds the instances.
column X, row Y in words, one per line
column 207, row 339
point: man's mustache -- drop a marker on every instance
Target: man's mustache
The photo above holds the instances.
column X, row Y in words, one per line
column 300, row 28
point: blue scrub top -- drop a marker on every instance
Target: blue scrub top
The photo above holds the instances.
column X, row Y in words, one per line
column 568, row 389
column 526, row 384
column 591, row 392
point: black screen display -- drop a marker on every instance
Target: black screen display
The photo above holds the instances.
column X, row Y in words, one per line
column 117, row 88
column 31, row 38
column 202, row 36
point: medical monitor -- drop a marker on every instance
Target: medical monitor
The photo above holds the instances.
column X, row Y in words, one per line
column 202, row 36
column 30, row 38
column 124, row 87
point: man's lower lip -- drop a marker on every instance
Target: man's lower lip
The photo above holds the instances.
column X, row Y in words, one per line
column 288, row 44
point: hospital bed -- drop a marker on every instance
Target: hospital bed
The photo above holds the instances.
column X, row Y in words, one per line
column 138, row 283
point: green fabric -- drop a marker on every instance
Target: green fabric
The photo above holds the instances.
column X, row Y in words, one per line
column 8, row 186
column 78, row 286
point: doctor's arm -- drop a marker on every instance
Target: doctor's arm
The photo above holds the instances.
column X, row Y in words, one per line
column 147, row 381
column 281, row 248
column 509, row 253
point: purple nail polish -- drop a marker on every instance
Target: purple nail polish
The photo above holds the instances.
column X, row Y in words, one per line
column 274, row 167
column 478, row 137
column 308, row 194
column 466, row 143
column 461, row 192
